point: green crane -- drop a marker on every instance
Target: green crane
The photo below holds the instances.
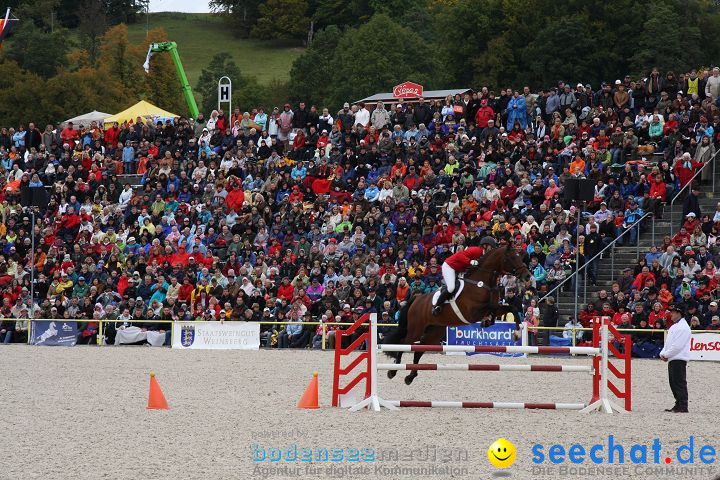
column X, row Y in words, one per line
column 171, row 47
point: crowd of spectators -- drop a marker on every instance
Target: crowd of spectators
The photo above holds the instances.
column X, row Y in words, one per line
column 299, row 213
column 680, row 271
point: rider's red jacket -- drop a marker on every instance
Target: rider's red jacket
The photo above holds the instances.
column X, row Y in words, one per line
column 461, row 260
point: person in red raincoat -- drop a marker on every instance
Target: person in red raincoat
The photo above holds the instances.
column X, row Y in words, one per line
column 685, row 167
column 235, row 197
column 459, row 262
column 484, row 114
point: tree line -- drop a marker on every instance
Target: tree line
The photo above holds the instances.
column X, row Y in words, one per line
column 500, row 44
column 57, row 66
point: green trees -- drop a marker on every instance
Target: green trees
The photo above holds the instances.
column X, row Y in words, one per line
column 673, row 48
column 312, row 72
column 378, row 55
column 564, row 48
column 497, row 43
column 282, row 20
column 338, row 67
column 116, row 80
column 91, row 27
column 240, row 14
column 246, row 91
column 38, row 51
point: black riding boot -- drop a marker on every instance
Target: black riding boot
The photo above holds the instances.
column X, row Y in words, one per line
column 437, row 308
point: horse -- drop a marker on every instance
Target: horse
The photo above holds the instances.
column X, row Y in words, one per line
column 480, row 297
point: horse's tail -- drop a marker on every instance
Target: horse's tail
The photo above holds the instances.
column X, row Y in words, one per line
column 400, row 332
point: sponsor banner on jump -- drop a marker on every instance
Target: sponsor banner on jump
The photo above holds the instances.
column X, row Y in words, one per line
column 54, row 333
column 705, row 346
column 498, row 334
column 216, row 335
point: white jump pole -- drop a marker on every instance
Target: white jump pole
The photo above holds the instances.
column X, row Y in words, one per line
column 373, row 402
column 604, row 404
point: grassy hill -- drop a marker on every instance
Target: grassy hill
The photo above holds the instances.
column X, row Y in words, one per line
column 201, row 35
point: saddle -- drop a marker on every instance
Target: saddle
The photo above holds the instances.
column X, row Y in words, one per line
column 459, row 286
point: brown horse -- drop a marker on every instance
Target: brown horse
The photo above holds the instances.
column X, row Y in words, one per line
column 480, row 298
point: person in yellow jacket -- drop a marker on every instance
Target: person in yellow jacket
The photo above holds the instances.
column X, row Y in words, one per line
column 195, row 295
column 64, row 284
column 416, row 270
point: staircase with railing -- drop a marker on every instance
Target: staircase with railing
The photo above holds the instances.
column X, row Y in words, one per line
column 614, row 258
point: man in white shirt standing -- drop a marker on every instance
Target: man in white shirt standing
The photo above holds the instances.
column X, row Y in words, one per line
column 677, row 353
column 362, row 116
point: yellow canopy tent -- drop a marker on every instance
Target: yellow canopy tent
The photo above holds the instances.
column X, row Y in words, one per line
column 146, row 110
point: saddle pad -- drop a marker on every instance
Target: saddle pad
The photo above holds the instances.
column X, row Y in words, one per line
column 456, row 293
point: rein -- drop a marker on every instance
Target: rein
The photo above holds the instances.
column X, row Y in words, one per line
column 493, row 273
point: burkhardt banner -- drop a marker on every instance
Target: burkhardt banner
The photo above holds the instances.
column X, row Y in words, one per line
column 499, row 333
column 54, row 333
column 705, row 346
column 216, row 335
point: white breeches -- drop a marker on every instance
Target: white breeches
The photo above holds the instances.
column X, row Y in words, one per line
column 449, row 276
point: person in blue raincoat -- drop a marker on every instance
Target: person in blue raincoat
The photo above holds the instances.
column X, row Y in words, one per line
column 517, row 111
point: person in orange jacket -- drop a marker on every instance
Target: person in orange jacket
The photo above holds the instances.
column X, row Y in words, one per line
column 665, row 297
column 577, row 166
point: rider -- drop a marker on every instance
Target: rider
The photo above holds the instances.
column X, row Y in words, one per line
column 459, row 262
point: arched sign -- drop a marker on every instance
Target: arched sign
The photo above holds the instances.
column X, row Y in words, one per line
column 408, row 90
column 225, row 93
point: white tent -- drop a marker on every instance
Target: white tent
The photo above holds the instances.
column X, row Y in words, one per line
column 87, row 118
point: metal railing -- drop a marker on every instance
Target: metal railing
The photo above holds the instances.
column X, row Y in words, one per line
column 101, row 322
column 531, row 328
column 689, row 184
column 578, row 328
column 587, row 263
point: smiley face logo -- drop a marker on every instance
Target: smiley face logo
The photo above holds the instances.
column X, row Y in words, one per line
column 502, row 453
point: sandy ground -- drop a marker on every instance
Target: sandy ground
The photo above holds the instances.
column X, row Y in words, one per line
column 72, row 413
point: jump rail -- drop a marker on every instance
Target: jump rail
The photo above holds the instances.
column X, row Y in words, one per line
column 506, row 405
column 490, row 349
column 359, row 334
column 493, row 367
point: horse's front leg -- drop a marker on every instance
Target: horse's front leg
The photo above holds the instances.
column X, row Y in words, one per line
column 502, row 310
column 398, row 358
column 497, row 311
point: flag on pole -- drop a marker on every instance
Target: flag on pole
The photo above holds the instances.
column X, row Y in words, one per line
column 6, row 25
column 146, row 65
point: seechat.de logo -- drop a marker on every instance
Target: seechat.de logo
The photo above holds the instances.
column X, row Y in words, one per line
column 616, row 453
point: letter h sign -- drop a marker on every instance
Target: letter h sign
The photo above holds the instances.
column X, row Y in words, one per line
column 225, row 93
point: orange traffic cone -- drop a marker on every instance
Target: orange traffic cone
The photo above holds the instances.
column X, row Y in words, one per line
column 156, row 399
column 310, row 397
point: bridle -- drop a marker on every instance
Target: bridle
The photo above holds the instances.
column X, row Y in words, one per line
column 493, row 273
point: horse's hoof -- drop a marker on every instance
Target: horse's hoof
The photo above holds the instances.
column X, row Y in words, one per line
column 391, row 373
column 409, row 379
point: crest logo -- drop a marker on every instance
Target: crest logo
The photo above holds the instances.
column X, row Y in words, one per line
column 187, row 335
